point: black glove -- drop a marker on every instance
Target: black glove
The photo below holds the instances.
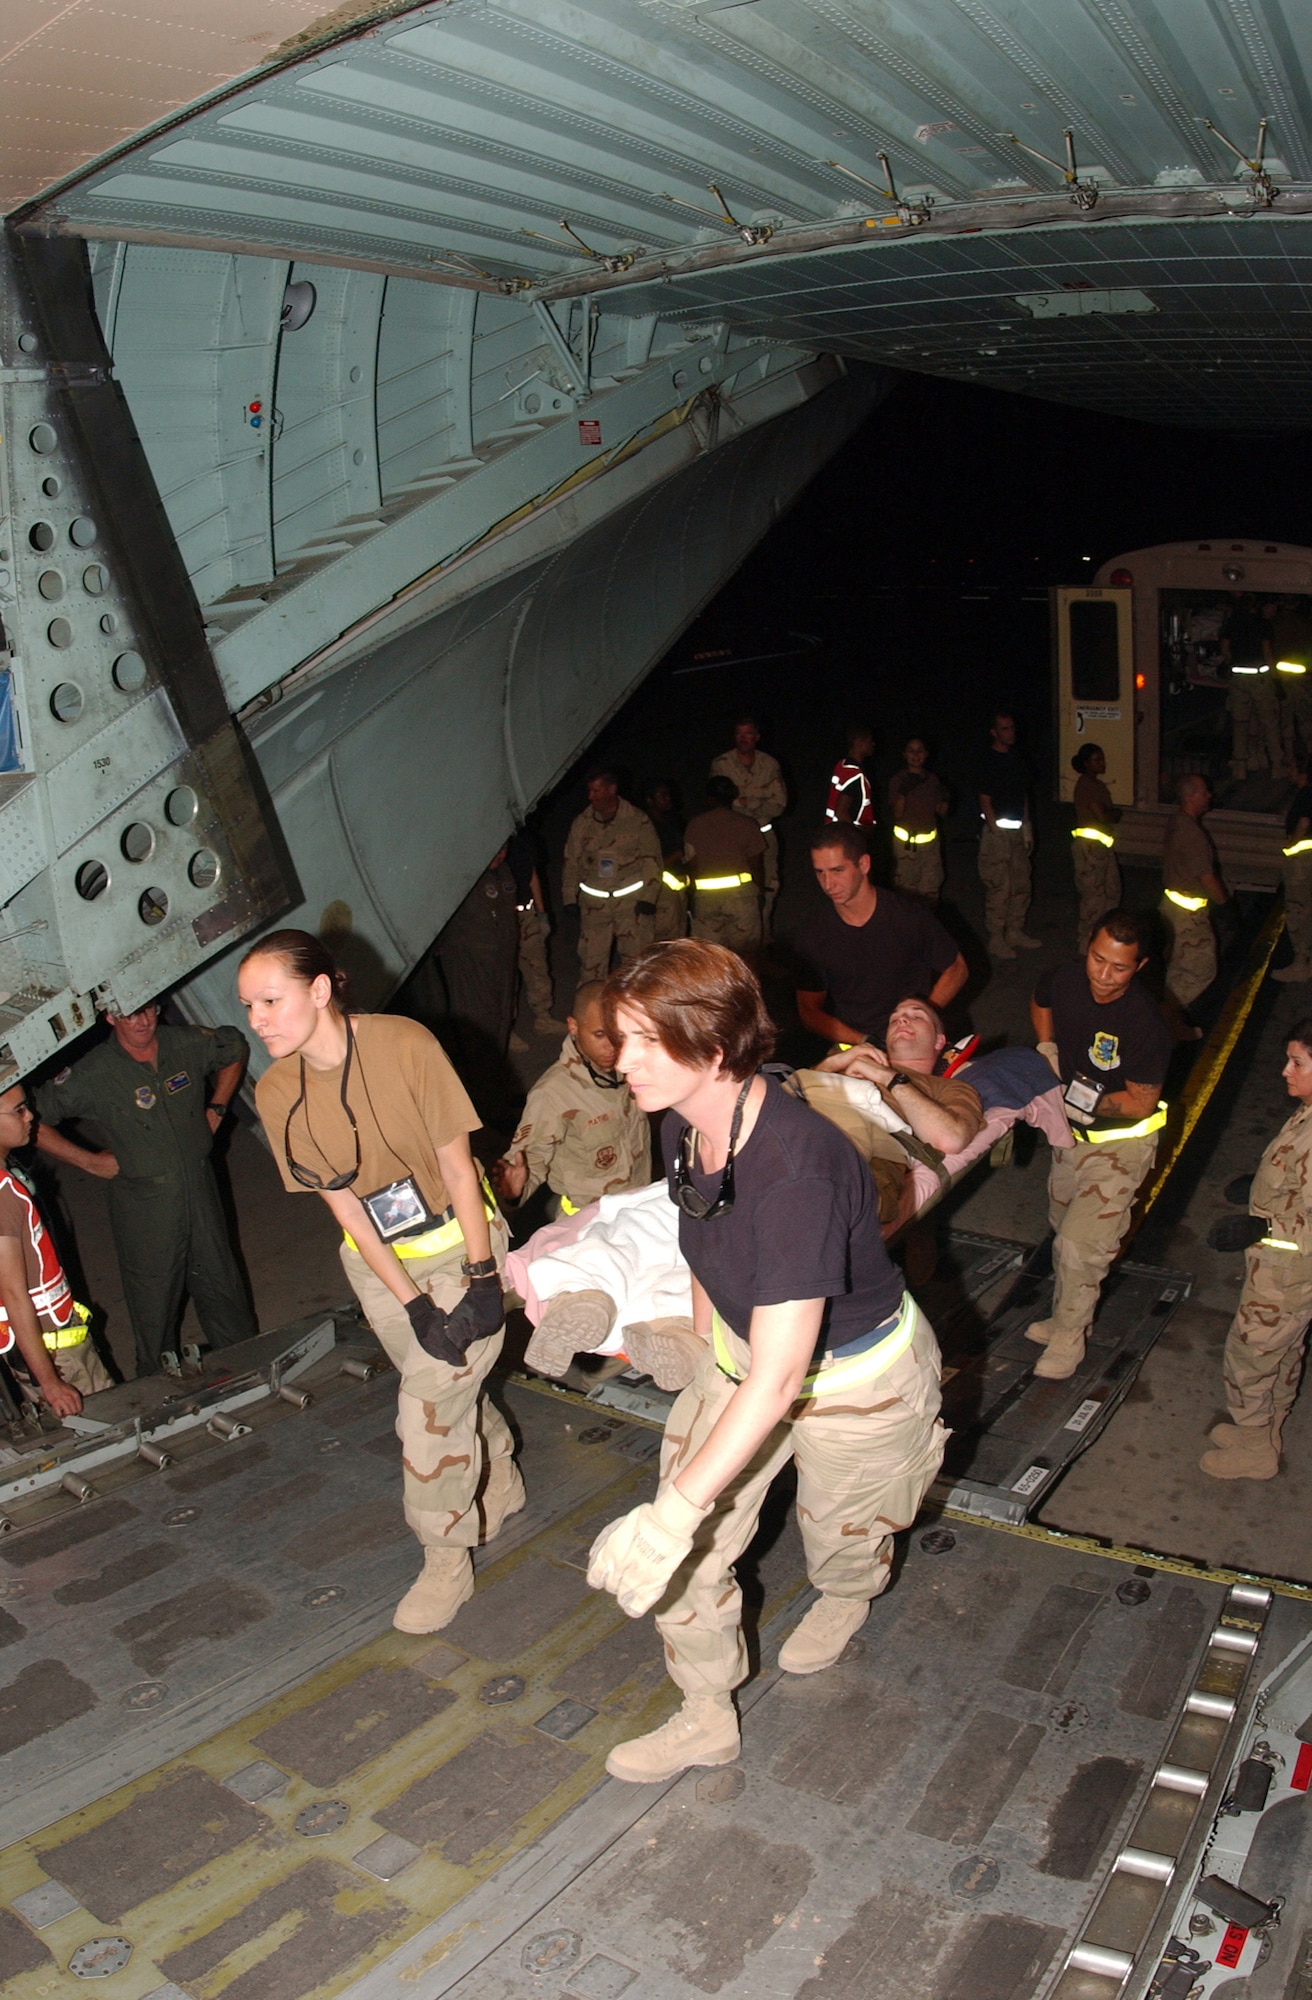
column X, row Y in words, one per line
column 444, row 1335
column 1237, row 1232
column 645, row 909
column 431, row 1328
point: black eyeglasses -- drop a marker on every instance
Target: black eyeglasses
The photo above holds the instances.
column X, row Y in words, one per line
column 305, row 1176
column 692, row 1203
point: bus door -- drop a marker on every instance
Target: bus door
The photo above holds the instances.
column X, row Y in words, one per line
column 1095, row 684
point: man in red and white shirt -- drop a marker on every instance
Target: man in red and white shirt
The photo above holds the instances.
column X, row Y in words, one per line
column 38, row 1312
column 850, row 797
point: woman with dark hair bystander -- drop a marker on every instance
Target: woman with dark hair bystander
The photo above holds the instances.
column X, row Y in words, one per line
column 1264, row 1347
column 365, row 1111
column 813, row 1351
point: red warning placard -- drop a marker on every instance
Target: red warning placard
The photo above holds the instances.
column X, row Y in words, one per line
column 1301, row 1776
column 1231, row 1948
column 589, row 430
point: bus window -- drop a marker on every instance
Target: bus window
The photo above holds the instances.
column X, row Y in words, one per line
column 1095, row 654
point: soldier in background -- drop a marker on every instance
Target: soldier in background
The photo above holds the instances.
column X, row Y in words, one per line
column 1254, row 699
column 40, row 1322
column 612, row 868
column 1006, row 842
column 1097, row 876
column 762, row 796
column 1191, row 878
column 534, row 930
column 918, row 801
column 725, row 852
column 159, row 1093
column 1296, row 873
column 850, row 795
column 581, row 1133
column 478, row 955
column 672, row 895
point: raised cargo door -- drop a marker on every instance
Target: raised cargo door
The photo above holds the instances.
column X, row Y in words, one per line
column 1095, row 684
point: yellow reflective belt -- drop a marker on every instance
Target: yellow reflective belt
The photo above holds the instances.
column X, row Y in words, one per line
column 609, row 895
column 913, row 839
column 71, row 1335
column 567, row 1207
column 1094, row 833
column 1275, row 1243
column 1290, row 667
column 1152, row 1123
column 675, row 882
column 856, row 1370
column 720, row 881
column 1299, row 847
column 434, row 1242
column 1186, row 902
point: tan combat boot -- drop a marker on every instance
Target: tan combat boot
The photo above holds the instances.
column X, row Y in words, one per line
column 442, row 1586
column 1040, row 1332
column 571, row 1323
column 666, row 1349
column 503, row 1495
column 705, row 1731
column 999, row 948
column 823, row 1634
column 1253, row 1453
column 1062, row 1355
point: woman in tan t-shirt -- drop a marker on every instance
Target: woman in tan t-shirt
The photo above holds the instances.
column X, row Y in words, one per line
column 366, row 1111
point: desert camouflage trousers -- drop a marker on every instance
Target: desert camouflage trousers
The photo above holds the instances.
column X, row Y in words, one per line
column 81, row 1367
column 1004, row 869
column 1264, row 1347
column 1091, row 1190
column 600, row 924
column 1098, row 880
column 1297, row 873
column 457, row 1465
column 1191, row 967
column 918, row 871
column 865, row 1459
column 731, row 917
column 1254, row 704
column 671, row 919
column 534, row 969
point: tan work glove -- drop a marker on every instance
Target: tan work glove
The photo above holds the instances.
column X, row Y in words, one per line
column 1048, row 1050
column 635, row 1557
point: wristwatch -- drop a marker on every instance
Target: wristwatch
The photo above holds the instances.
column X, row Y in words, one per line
column 484, row 1268
column 898, row 1076
column 215, row 1104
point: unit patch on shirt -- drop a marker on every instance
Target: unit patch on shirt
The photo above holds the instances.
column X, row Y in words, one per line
column 1104, row 1051
column 178, row 1082
column 144, row 1097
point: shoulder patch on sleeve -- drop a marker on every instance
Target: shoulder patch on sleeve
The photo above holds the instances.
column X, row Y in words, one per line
column 64, row 1074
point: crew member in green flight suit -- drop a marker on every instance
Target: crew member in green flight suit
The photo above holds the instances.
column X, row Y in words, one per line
column 159, row 1094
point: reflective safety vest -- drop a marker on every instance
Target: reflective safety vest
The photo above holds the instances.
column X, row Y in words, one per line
column 444, row 1235
column 1184, row 902
column 609, row 895
column 910, row 839
column 51, row 1295
column 847, row 1372
column 1152, row 1123
column 1094, row 833
column 704, row 882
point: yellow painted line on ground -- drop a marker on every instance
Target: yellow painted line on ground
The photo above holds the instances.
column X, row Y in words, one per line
column 1212, row 1059
column 1095, row 1545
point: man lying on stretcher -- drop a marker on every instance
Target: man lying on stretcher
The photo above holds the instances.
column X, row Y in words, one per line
column 613, row 1280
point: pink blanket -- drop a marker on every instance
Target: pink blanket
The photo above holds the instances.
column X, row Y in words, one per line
column 1045, row 1111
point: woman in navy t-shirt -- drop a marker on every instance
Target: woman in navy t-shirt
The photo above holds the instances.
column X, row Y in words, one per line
column 813, row 1350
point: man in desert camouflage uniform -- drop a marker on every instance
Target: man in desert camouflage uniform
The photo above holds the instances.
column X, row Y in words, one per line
column 1191, row 881
column 612, row 868
column 1264, row 1347
column 581, row 1131
column 762, row 796
column 1105, row 1037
